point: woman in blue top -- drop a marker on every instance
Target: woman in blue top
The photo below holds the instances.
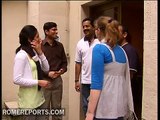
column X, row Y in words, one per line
column 110, row 96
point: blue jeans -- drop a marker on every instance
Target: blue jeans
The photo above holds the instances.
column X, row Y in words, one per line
column 85, row 91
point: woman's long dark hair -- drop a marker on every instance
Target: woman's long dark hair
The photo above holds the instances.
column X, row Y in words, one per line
column 28, row 32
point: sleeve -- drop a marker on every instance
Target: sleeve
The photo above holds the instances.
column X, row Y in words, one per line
column 97, row 71
column 20, row 63
column 64, row 60
column 133, row 59
column 44, row 63
column 78, row 55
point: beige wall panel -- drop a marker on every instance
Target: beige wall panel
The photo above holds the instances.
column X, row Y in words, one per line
column 14, row 17
column 149, row 102
column 75, row 30
column 33, row 13
column 55, row 11
column 150, row 20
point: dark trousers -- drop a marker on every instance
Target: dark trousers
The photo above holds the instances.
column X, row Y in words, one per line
column 53, row 96
column 136, row 84
column 85, row 91
column 31, row 116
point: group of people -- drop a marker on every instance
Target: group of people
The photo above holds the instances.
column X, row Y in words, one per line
column 105, row 63
column 38, row 67
column 104, row 68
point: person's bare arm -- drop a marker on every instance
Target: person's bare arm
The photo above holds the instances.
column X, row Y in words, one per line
column 77, row 76
column 93, row 100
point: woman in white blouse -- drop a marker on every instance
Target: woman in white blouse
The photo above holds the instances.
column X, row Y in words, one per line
column 29, row 65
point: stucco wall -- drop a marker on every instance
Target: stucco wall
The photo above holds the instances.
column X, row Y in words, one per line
column 17, row 14
column 58, row 12
column 149, row 102
column 12, row 23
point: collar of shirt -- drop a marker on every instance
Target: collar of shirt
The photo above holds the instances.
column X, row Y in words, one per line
column 85, row 39
column 46, row 42
column 124, row 44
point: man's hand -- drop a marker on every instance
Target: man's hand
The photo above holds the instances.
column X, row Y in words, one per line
column 54, row 74
column 77, row 86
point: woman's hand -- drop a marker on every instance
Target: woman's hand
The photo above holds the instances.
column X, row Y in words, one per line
column 36, row 45
column 43, row 83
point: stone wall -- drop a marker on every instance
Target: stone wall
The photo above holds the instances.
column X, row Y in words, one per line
column 149, row 102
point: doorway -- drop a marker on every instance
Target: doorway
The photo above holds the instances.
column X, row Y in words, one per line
column 130, row 14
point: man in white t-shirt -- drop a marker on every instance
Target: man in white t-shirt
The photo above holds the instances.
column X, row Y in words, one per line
column 83, row 59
